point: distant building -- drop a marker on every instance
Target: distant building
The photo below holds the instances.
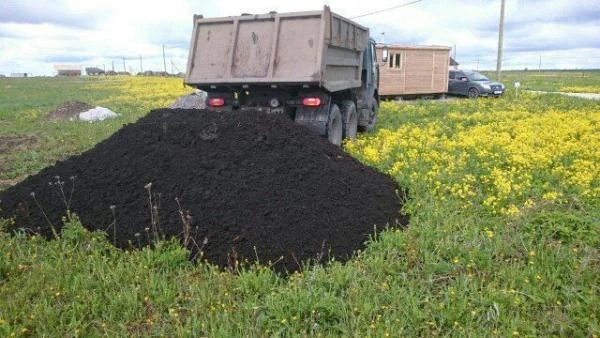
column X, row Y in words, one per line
column 67, row 70
column 94, row 71
column 18, row 74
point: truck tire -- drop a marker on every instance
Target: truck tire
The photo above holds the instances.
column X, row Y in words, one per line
column 374, row 107
column 334, row 125
column 350, row 116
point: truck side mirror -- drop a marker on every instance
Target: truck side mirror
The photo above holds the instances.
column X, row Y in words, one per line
column 464, row 79
column 384, row 54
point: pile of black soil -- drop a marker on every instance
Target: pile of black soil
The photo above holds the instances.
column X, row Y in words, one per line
column 255, row 185
column 69, row 110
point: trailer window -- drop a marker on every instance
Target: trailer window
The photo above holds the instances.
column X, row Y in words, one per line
column 395, row 61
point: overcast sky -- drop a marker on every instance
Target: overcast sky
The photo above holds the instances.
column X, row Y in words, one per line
column 35, row 34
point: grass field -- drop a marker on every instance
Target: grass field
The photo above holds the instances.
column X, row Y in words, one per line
column 504, row 236
column 585, row 81
column 31, row 142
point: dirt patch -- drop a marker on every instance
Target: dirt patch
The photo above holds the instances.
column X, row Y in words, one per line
column 12, row 143
column 6, row 183
column 68, row 110
column 589, row 96
column 255, row 185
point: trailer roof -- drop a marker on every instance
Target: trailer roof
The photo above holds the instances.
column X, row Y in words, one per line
column 428, row 47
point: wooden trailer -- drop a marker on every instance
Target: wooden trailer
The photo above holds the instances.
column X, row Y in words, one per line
column 413, row 70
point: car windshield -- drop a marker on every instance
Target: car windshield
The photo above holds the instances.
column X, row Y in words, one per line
column 475, row 76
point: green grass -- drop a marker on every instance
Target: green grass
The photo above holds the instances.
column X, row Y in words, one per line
column 25, row 103
column 537, row 275
column 567, row 81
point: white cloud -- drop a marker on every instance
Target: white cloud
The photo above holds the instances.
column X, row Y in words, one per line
column 36, row 34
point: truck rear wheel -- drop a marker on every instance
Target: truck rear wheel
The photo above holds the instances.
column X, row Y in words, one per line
column 334, row 125
column 348, row 110
column 370, row 126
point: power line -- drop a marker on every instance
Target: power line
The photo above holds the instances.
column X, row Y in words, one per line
column 387, row 9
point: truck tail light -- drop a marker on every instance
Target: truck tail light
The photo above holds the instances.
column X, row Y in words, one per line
column 216, row 102
column 311, row 101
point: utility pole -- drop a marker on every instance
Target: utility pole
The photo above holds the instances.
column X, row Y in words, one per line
column 141, row 66
column 113, row 65
column 477, row 64
column 164, row 59
column 500, row 38
column 124, row 69
column 540, row 65
column 454, row 52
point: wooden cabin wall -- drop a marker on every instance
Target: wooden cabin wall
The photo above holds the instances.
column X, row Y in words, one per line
column 421, row 71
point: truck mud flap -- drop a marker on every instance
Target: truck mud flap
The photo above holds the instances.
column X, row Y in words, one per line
column 314, row 119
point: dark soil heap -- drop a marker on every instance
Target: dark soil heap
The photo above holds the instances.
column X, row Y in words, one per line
column 254, row 184
column 69, row 109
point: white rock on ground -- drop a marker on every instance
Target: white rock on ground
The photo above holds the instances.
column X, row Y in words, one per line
column 97, row 114
column 192, row 101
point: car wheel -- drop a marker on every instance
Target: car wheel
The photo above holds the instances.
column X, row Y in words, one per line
column 473, row 93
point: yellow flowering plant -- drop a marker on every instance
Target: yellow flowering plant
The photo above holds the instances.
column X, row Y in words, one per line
column 504, row 161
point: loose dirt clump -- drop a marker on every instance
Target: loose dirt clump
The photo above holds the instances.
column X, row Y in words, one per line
column 246, row 185
column 69, row 110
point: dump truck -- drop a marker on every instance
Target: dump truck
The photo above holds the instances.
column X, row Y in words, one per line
column 316, row 66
